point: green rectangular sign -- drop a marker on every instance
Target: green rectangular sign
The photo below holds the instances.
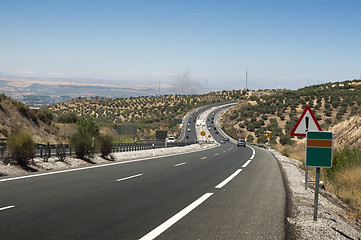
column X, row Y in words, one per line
column 319, row 149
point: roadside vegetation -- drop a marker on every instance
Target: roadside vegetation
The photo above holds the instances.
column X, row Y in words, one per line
column 21, row 147
column 344, row 178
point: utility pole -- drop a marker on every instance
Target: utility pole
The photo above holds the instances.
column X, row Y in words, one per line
column 246, row 80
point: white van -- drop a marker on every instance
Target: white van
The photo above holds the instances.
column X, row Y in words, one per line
column 171, row 140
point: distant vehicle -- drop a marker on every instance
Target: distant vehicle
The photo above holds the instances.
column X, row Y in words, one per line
column 213, row 115
column 216, row 132
column 241, row 142
column 203, row 123
column 171, row 140
column 226, row 139
column 223, row 141
column 209, row 127
column 214, row 128
column 189, row 123
column 212, row 118
column 198, row 122
column 188, row 130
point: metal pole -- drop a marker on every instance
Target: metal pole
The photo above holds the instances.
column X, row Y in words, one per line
column 306, row 177
column 316, row 194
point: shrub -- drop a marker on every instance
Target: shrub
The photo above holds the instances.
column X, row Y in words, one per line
column 343, row 159
column 82, row 144
column 67, row 118
column 5, row 132
column 105, row 142
column 21, row 146
column 285, row 139
column 262, row 139
column 83, row 139
column 250, row 138
column 250, row 127
column 87, row 126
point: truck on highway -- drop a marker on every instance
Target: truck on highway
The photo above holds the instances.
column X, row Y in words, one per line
column 198, row 122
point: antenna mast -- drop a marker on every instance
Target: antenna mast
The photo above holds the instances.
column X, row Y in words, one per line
column 246, row 80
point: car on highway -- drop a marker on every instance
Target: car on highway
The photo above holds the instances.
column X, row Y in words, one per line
column 188, row 130
column 171, row 140
column 241, row 142
column 225, row 140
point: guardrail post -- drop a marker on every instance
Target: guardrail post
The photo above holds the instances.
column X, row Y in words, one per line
column 41, row 150
column 57, row 150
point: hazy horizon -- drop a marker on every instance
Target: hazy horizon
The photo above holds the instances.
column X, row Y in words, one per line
column 188, row 45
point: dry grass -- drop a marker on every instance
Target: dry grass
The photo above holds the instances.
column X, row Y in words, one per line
column 347, row 186
column 296, row 151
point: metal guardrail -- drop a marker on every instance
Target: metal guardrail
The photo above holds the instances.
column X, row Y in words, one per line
column 45, row 151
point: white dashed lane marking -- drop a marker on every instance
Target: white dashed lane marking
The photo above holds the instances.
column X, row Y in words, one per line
column 8, row 207
column 127, row 178
column 179, row 164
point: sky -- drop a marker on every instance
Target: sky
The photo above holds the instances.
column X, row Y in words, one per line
column 281, row 44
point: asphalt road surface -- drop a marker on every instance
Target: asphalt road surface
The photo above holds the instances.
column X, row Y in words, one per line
column 225, row 192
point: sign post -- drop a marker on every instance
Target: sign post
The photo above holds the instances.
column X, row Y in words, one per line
column 319, row 153
column 203, row 133
column 269, row 135
column 307, row 122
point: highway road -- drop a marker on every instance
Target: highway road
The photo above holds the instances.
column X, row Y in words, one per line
column 225, row 192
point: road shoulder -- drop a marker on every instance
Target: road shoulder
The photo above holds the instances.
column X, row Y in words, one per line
column 332, row 222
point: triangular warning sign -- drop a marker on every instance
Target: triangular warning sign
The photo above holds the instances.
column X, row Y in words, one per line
column 307, row 122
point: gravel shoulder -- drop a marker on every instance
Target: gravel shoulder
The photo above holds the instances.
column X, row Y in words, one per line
column 332, row 221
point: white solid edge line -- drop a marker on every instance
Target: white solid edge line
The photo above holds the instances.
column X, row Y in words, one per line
column 8, row 207
column 97, row 166
column 228, row 179
column 167, row 224
column 252, row 157
column 254, row 151
column 246, row 164
column 126, row 178
column 179, row 164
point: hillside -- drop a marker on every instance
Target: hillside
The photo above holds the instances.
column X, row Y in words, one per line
column 149, row 113
column 347, row 133
column 277, row 111
column 15, row 115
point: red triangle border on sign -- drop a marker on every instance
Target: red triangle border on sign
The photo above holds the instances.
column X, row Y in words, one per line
column 308, row 108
